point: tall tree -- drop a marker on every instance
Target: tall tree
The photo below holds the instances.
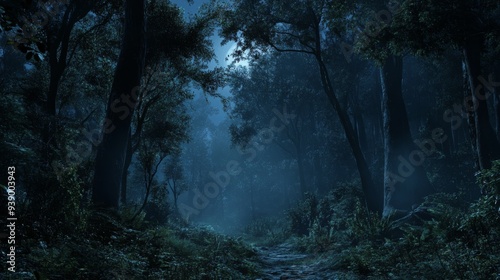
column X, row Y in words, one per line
column 174, row 179
column 405, row 181
column 51, row 30
column 429, row 27
column 401, row 191
column 177, row 55
column 112, row 151
column 296, row 26
column 54, row 29
column 282, row 83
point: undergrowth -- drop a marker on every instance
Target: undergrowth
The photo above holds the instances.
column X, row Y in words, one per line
column 447, row 238
column 268, row 231
column 109, row 248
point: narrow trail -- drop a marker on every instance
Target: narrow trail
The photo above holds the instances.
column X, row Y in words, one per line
column 282, row 262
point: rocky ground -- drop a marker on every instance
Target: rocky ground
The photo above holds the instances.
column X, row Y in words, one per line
column 282, row 262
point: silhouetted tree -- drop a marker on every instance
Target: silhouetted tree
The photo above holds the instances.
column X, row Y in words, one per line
column 296, row 26
column 176, row 58
column 431, row 27
column 112, row 151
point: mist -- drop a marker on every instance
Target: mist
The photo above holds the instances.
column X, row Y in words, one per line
column 155, row 139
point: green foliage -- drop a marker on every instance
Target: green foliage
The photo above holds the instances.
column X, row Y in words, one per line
column 131, row 218
column 168, row 252
column 323, row 223
column 304, row 215
column 458, row 242
column 268, row 231
column 444, row 237
column 74, row 210
column 319, row 239
column 157, row 212
column 60, row 209
column 182, row 45
column 363, row 259
column 367, row 225
column 489, row 180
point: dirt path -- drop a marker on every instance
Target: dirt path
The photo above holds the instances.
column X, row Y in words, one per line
column 282, row 262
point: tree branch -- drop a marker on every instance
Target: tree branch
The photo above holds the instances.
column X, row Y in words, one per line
column 287, row 50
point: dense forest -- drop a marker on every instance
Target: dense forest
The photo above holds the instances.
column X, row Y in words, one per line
column 250, row 139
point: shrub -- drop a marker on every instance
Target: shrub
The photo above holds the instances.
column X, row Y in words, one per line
column 303, row 216
column 268, row 231
column 321, row 223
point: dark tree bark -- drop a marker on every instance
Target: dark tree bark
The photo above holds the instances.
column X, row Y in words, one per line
column 175, row 193
column 405, row 181
column 496, row 108
column 112, row 151
column 149, row 175
column 496, row 99
column 372, row 196
column 486, row 144
column 58, row 49
column 359, row 122
column 58, row 45
column 126, row 165
column 135, row 139
column 471, row 127
column 302, row 175
column 294, row 131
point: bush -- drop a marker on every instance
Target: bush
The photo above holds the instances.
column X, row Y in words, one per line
column 156, row 213
column 445, row 237
column 268, row 231
column 131, row 218
column 322, row 223
column 166, row 252
column 364, row 225
column 303, row 216
column 460, row 242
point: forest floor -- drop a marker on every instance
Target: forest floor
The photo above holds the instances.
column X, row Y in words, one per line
column 284, row 262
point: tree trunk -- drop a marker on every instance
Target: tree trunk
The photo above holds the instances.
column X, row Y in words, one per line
column 496, row 105
column 176, row 197
column 405, row 181
column 302, row 175
column 372, row 197
column 55, row 77
column 252, row 201
column 496, row 101
column 58, row 39
column 360, row 124
column 112, row 151
column 57, row 49
column 471, row 127
column 487, row 145
column 128, row 160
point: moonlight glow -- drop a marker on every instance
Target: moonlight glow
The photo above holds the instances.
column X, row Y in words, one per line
column 230, row 58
